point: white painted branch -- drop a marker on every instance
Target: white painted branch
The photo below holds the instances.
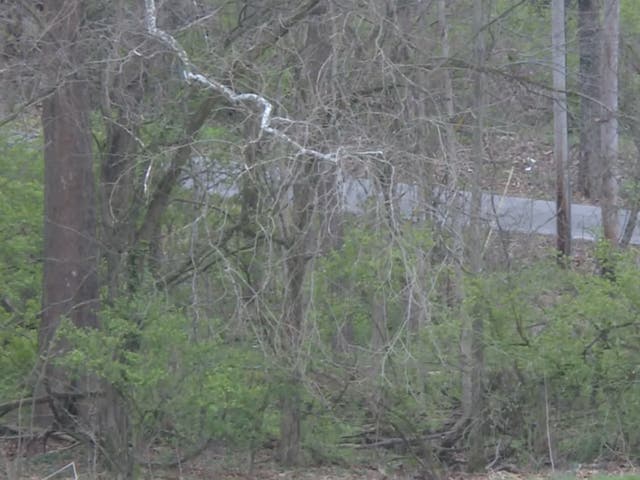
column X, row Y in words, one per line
column 190, row 75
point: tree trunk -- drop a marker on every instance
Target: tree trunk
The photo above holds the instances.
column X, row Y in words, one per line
column 560, row 142
column 634, row 206
column 609, row 132
column 451, row 151
column 305, row 170
column 147, row 233
column 589, row 152
column 293, row 314
column 117, row 202
column 472, row 335
column 451, row 157
column 70, row 282
column 290, row 452
column 70, row 285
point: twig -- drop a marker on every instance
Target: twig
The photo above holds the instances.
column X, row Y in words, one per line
column 180, row 459
column 71, row 446
column 71, row 465
column 496, row 456
column 547, row 423
column 18, row 111
column 497, row 210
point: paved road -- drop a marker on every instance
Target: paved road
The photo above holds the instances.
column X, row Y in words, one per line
column 514, row 214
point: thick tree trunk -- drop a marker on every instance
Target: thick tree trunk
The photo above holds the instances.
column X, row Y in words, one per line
column 588, row 181
column 70, row 281
column 609, row 91
column 70, row 285
column 560, row 141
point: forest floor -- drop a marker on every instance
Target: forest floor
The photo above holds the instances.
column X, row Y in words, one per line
column 380, row 473
column 523, row 166
column 188, row 472
column 66, row 460
column 374, row 474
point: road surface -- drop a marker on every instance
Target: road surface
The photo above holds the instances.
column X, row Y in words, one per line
column 514, row 214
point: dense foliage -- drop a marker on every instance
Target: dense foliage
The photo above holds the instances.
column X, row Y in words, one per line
column 234, row 281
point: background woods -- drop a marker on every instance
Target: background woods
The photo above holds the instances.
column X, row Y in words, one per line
column 267, row 230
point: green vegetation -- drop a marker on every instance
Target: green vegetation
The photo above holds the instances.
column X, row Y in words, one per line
column 241, row 308
column 21, row 195
column 561, row 347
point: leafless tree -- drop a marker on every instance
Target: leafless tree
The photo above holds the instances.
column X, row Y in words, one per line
column 561, row 144
column 472, row 344
column 609, row 92
column 589, row 42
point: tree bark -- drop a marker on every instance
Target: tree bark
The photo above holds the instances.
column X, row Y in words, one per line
column 296, row 260
column 70, row 248
column 117, row 201
column 451, row 156
column 472, row 336
column 560, row 141
column 70, row 281
column 609, row 132
column 634, row 206
column 305, row 180
column 588, row 181
column 70, row 284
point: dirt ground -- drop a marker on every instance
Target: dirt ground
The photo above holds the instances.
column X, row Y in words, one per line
column 70, row 461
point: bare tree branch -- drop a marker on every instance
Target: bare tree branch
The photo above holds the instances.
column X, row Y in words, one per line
column 191, row 75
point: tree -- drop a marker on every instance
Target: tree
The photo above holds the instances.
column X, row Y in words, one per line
column 560, row 142
column 588, row 180
column 472, row 343
column 70, row 248
column 609, row 129
column 241, row 299
column 70, row 280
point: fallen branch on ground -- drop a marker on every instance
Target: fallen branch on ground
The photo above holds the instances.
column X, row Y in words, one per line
column 32, row 401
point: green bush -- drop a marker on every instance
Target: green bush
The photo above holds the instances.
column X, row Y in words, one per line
column 21, row 195
column 191, row 386
column 562, row 350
